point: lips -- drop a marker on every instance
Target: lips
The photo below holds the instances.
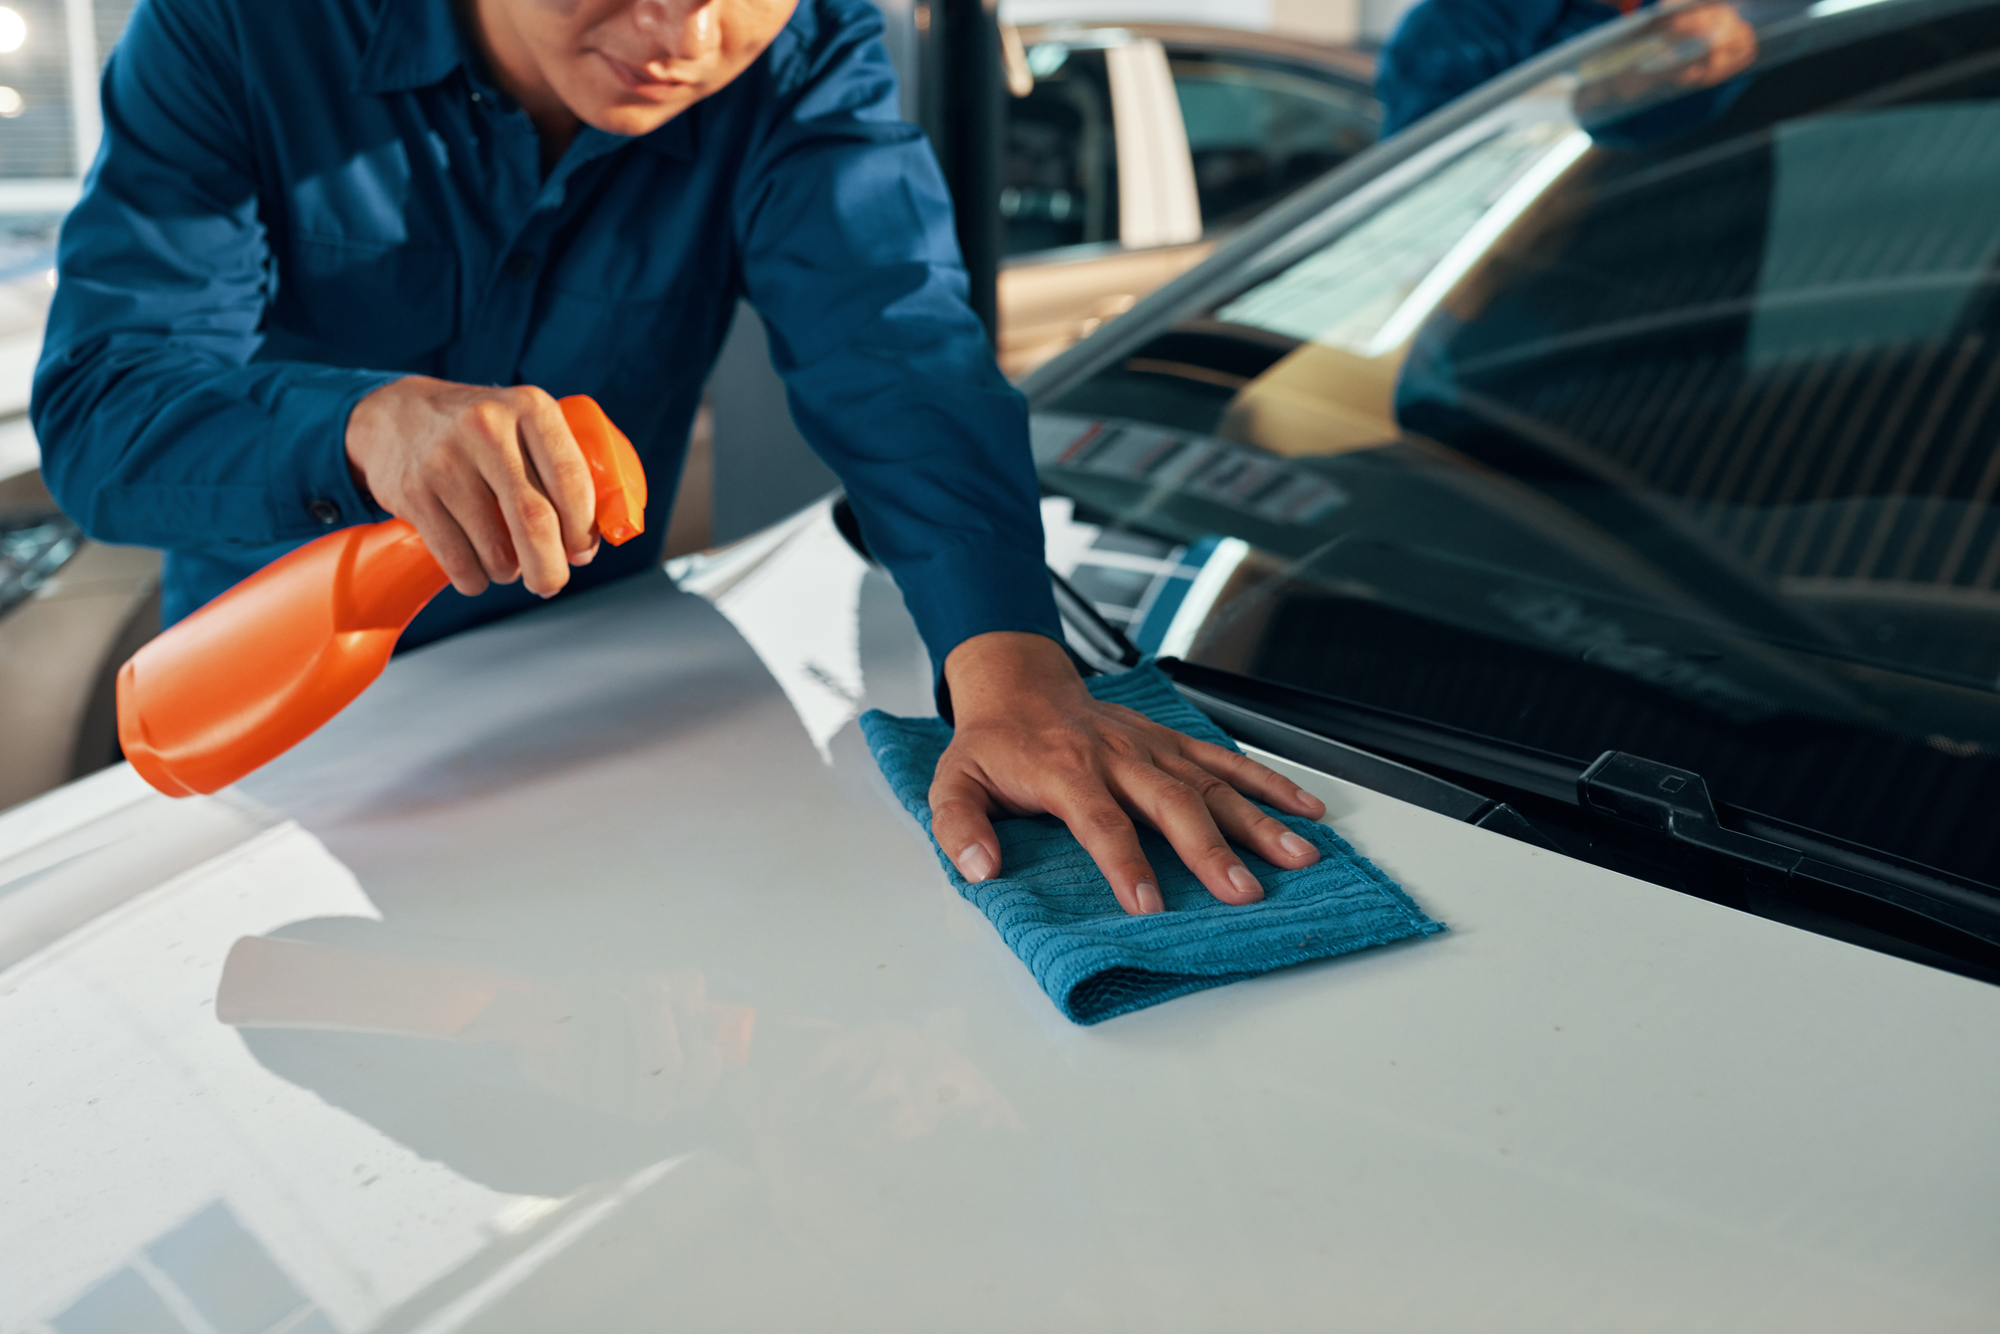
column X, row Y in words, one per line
column 634, row 79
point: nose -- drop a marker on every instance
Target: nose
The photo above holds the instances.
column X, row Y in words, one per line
column 684, row 29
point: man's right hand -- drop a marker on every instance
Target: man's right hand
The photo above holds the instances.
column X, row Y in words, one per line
column 491, row 479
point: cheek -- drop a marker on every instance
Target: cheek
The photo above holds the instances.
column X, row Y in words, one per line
column 751, row 25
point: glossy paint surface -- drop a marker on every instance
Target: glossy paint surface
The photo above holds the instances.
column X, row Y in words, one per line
column 584, row 975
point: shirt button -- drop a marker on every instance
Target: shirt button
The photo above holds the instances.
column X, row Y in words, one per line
column 520, row 264
column 325, row 511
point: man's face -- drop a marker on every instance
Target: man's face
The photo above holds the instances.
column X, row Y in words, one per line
column 630, row 66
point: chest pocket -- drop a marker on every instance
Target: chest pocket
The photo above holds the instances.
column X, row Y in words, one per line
column 360, row 304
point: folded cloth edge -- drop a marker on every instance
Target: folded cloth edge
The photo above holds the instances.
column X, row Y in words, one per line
column 1085, row 976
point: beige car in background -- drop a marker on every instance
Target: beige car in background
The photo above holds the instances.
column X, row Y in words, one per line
column 71, row 610
column 1130, row 148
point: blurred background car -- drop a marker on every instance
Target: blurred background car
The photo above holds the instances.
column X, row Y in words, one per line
column 71, row 610
column 1130, row 148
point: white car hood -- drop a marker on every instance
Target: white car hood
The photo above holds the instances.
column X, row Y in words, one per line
column 564, row 983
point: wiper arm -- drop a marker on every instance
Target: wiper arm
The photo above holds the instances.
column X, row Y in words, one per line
column 1620, row 801
column 1675, row 803
column 1097, row 641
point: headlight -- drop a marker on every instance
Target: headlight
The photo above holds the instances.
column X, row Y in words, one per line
column 31, row 550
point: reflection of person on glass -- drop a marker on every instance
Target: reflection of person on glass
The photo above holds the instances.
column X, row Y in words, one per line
column 1445, row 48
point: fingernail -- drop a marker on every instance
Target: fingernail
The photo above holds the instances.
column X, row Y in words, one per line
column 975, row 863
column 1307, row 799
column 1295, row 846
column 1245, row 883
column 1148, row 897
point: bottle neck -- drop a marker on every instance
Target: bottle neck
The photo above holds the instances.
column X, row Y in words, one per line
column 387, row 576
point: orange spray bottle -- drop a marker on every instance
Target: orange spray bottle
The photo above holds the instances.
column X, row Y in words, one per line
column 259, row 669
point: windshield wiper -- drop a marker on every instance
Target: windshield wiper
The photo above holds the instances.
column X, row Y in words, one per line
column 1612, row 809
column 1099, row 643
column 1105, row 648
column 1366, row 769
column 1676, row 803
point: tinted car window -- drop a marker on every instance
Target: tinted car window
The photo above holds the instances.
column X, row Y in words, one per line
column 1260, row 130
column 1060, row 175
column 1652, row 414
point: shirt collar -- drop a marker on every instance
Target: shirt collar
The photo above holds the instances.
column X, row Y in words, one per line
column 416, row 43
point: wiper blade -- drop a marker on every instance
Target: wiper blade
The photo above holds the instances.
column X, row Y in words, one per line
column 1537, row 772
column 1896, row 908
column 1676, row 803
column 1365, row 769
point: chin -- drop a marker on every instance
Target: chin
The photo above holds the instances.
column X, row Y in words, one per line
column 632, row 121
column 631, row 117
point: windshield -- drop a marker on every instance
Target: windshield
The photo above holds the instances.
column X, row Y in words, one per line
column 1657, row 411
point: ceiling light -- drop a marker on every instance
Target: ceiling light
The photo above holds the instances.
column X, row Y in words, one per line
column 11, row 104
column 13, row 30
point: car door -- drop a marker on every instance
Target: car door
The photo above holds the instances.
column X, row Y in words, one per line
column 1260, row 126
column 1098, row 197
column 1131, row 154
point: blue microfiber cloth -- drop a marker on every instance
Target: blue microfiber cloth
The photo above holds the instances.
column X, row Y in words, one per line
column 1056, row 911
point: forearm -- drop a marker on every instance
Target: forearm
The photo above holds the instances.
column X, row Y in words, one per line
column 848, row 251
column 152, row 443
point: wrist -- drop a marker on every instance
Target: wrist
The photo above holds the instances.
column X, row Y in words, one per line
column 363, row 426
column 988, row 675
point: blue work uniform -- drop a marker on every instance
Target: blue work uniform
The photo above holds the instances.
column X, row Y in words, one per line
column 298, row 203
column 1444, row 48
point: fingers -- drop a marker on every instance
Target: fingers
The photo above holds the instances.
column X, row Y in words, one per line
column 1731, row 44
column 1251, row 778
column 1182, row 815
column 492, row 478
column 1241, row 822
column 449, row 545
column 1097, row 766
column 1106, row 833
column 557, row 468
column 457, row 488
column 960, row 824
column 533, row 530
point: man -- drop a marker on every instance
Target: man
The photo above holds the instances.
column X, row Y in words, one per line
column 1444, row 48
column 321, row 233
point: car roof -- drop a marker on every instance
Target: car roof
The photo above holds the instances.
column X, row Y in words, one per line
column 1350, row 61
column 585, row 974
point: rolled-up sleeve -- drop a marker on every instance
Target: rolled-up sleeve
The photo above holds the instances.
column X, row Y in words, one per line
column 156, row 426
column 845, row 238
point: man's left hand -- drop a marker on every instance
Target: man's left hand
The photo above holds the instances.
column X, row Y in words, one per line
column 1031, row 740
